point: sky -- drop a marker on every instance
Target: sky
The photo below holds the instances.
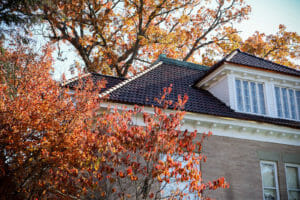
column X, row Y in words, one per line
column 265, row 16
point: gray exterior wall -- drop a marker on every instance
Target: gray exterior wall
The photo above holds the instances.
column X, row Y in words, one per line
column 238, row 161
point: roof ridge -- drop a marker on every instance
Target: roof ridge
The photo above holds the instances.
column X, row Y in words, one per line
column 166, row 60
column 269, row 61
column 130, row 79
column 64, row 83
column 98, row 74
column 229, row 56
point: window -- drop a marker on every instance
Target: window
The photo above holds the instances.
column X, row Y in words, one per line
column 269, row 180
column 287, row 103
column 250, row 96
column 293, row 181
column 168, row 189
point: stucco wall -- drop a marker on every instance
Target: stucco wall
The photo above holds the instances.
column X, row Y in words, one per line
column 221, row 90
column 238, row 161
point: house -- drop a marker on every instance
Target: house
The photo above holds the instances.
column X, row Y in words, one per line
column 251, row 105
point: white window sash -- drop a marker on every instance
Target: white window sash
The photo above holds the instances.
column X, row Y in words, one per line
column 287, row 110
column 254, row 97
column 245, row 93
column 293, row 113
column 297, row 103
column 275, row 176
column 298, row 170
column 261, row 98
column 239, row 95
column 278, row 101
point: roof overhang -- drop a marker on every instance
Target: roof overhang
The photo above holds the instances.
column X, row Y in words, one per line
column 228, row 127
column 226, row 68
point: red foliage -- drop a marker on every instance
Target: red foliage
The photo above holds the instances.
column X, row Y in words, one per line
column 57, row 144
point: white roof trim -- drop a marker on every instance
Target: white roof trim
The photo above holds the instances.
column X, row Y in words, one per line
column 75, row 78
column 229, row 127
column 231, row 55
column 103, row 94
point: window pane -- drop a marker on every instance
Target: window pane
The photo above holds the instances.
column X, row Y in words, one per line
column 292, row 103
column 292, row 177
column 294, row 195
column 174, row 186
column 268, row 175
column 246, row 96
column 261, row 99
column 298, row 102
column 278, row 102
column 285, row 103
column 254, row 97
column 239, row 95
column 270, row 194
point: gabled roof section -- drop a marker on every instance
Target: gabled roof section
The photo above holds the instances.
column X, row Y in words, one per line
column 241, row 58
column 161, row 60
column 144, row 89
column 125, row 82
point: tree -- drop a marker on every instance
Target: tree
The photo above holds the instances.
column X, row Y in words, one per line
column 120, row 36
column 110, row 36
column 12, row 13
column 282, row 47
column 42, row 134
column 59, row 145
column 155, row 156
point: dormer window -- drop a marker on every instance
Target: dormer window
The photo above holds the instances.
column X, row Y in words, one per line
column 250, row 97
column 287, row 102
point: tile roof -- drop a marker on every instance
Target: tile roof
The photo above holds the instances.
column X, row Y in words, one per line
column 243, row 58
column 111, row 80
column 182, row 76
column 143, row 88
column 246, row 59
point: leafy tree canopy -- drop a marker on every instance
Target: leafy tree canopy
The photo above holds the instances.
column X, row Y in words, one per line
column 283, row 47
column 55, row 144
column 110, row 36
column 122, row 36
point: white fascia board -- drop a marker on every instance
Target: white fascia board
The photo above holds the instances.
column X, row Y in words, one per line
column 71, row 92
column 261, row 75
column 249, row 73
column 212, row 76
column 229, row 127
column 75, row 78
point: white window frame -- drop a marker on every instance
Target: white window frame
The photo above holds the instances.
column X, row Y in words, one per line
column 298, row 167
column 289, row 102
column 250, row 97
column 276, row 178
column 190, row 196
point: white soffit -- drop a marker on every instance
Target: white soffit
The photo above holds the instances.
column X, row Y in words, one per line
column 249, row 73
column 229, row 127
